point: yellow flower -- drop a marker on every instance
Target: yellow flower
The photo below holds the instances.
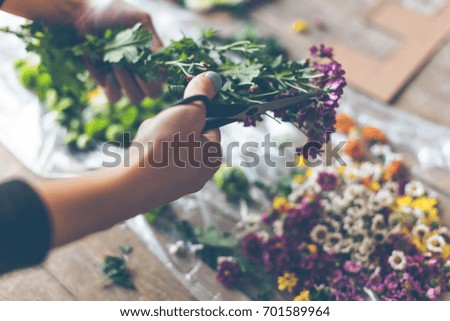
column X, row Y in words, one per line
column 299, row 179
column 404, row 200
column 279, row 203
column 94, row 93
column 421, row 246
column 446, row 251
column 309, row 172
column 300, row 26
column 312, row 248
column 424, row 203
column 300, row 161
column 287, row 282
column 375, row 186
column 341, row 170
column 303, row 296
column 431, row 217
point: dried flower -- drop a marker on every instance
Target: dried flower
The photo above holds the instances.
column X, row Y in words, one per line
column 228, row 271
column 252, row 246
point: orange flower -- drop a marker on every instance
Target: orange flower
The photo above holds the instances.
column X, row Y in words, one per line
column 366, row 181
column 396, row 171
column 344, row 123
column 355, row 149
column 373, row 135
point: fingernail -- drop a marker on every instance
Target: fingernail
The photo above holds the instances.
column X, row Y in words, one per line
column 216, row 79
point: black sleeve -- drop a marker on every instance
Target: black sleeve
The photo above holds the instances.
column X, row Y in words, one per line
column 25, row 228
column 1, row 3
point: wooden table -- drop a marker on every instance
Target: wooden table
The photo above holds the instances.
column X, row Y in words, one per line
column 74, row 271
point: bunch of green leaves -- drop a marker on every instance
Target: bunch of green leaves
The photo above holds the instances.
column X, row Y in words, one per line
column 233, row 182
column 251, row 74
column 117, row 272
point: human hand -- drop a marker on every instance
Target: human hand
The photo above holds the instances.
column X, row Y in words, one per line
column 190, row 156
column 96, row 16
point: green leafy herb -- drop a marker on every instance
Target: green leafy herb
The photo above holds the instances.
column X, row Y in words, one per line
column 233, row 182
column 213, row 237
column 126, row 249
column 117, row 272
column 253, row 71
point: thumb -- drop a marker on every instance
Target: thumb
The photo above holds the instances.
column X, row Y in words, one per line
column 186, row 118
column 207, row 83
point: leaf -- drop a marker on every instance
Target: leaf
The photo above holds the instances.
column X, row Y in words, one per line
column 211, row 236
column 245, row 75
column 126, row 45
column 117, row 272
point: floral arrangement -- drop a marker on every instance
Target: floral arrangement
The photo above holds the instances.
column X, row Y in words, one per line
column 356, row 232
column 251, row 71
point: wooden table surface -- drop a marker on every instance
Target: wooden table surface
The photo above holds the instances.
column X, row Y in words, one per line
column 74, row 272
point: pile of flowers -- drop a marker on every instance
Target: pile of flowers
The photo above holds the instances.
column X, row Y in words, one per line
column 357, row 232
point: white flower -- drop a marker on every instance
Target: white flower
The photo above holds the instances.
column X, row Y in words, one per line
column 384, row 198
column 221, row 259
column 354, row 227
column 362, row 259
column 418, row 213
column 347, row 246
column 333, row 242
column 420, row 230
column 436, row 243
column 250, row 223
column 392, row 157
column 351, row 174
column 278, row 228
column 353, row 190
column 391, row 186
column 397, row 260
column 415, row 188
column 378, row 223
column 319, row 234
column 380, row 150
column 367, row 246
column 263, row 235
column 380, row 236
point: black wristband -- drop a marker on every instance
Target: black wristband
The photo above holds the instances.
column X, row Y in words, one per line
column 25, row 228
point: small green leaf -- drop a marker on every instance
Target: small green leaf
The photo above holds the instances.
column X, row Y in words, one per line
column 126, row 45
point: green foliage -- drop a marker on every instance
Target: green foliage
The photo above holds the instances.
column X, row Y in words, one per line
column 117, row 272
column 245, row 62
column 213, row 237
column 233, row 182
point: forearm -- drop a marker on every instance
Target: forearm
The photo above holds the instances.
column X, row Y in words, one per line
column 51, row 11
column 83, row 205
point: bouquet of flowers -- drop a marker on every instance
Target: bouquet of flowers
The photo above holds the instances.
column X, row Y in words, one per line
column 252, row 72
column 356, row 232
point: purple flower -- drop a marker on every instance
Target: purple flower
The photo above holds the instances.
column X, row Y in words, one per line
column 309, row 206
column 252, row 246
column 375, row 283
column 228, row 271
column 327, row 181
column 352, row 267
column 321, row 51
column 433, row 293
column 270, row 216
